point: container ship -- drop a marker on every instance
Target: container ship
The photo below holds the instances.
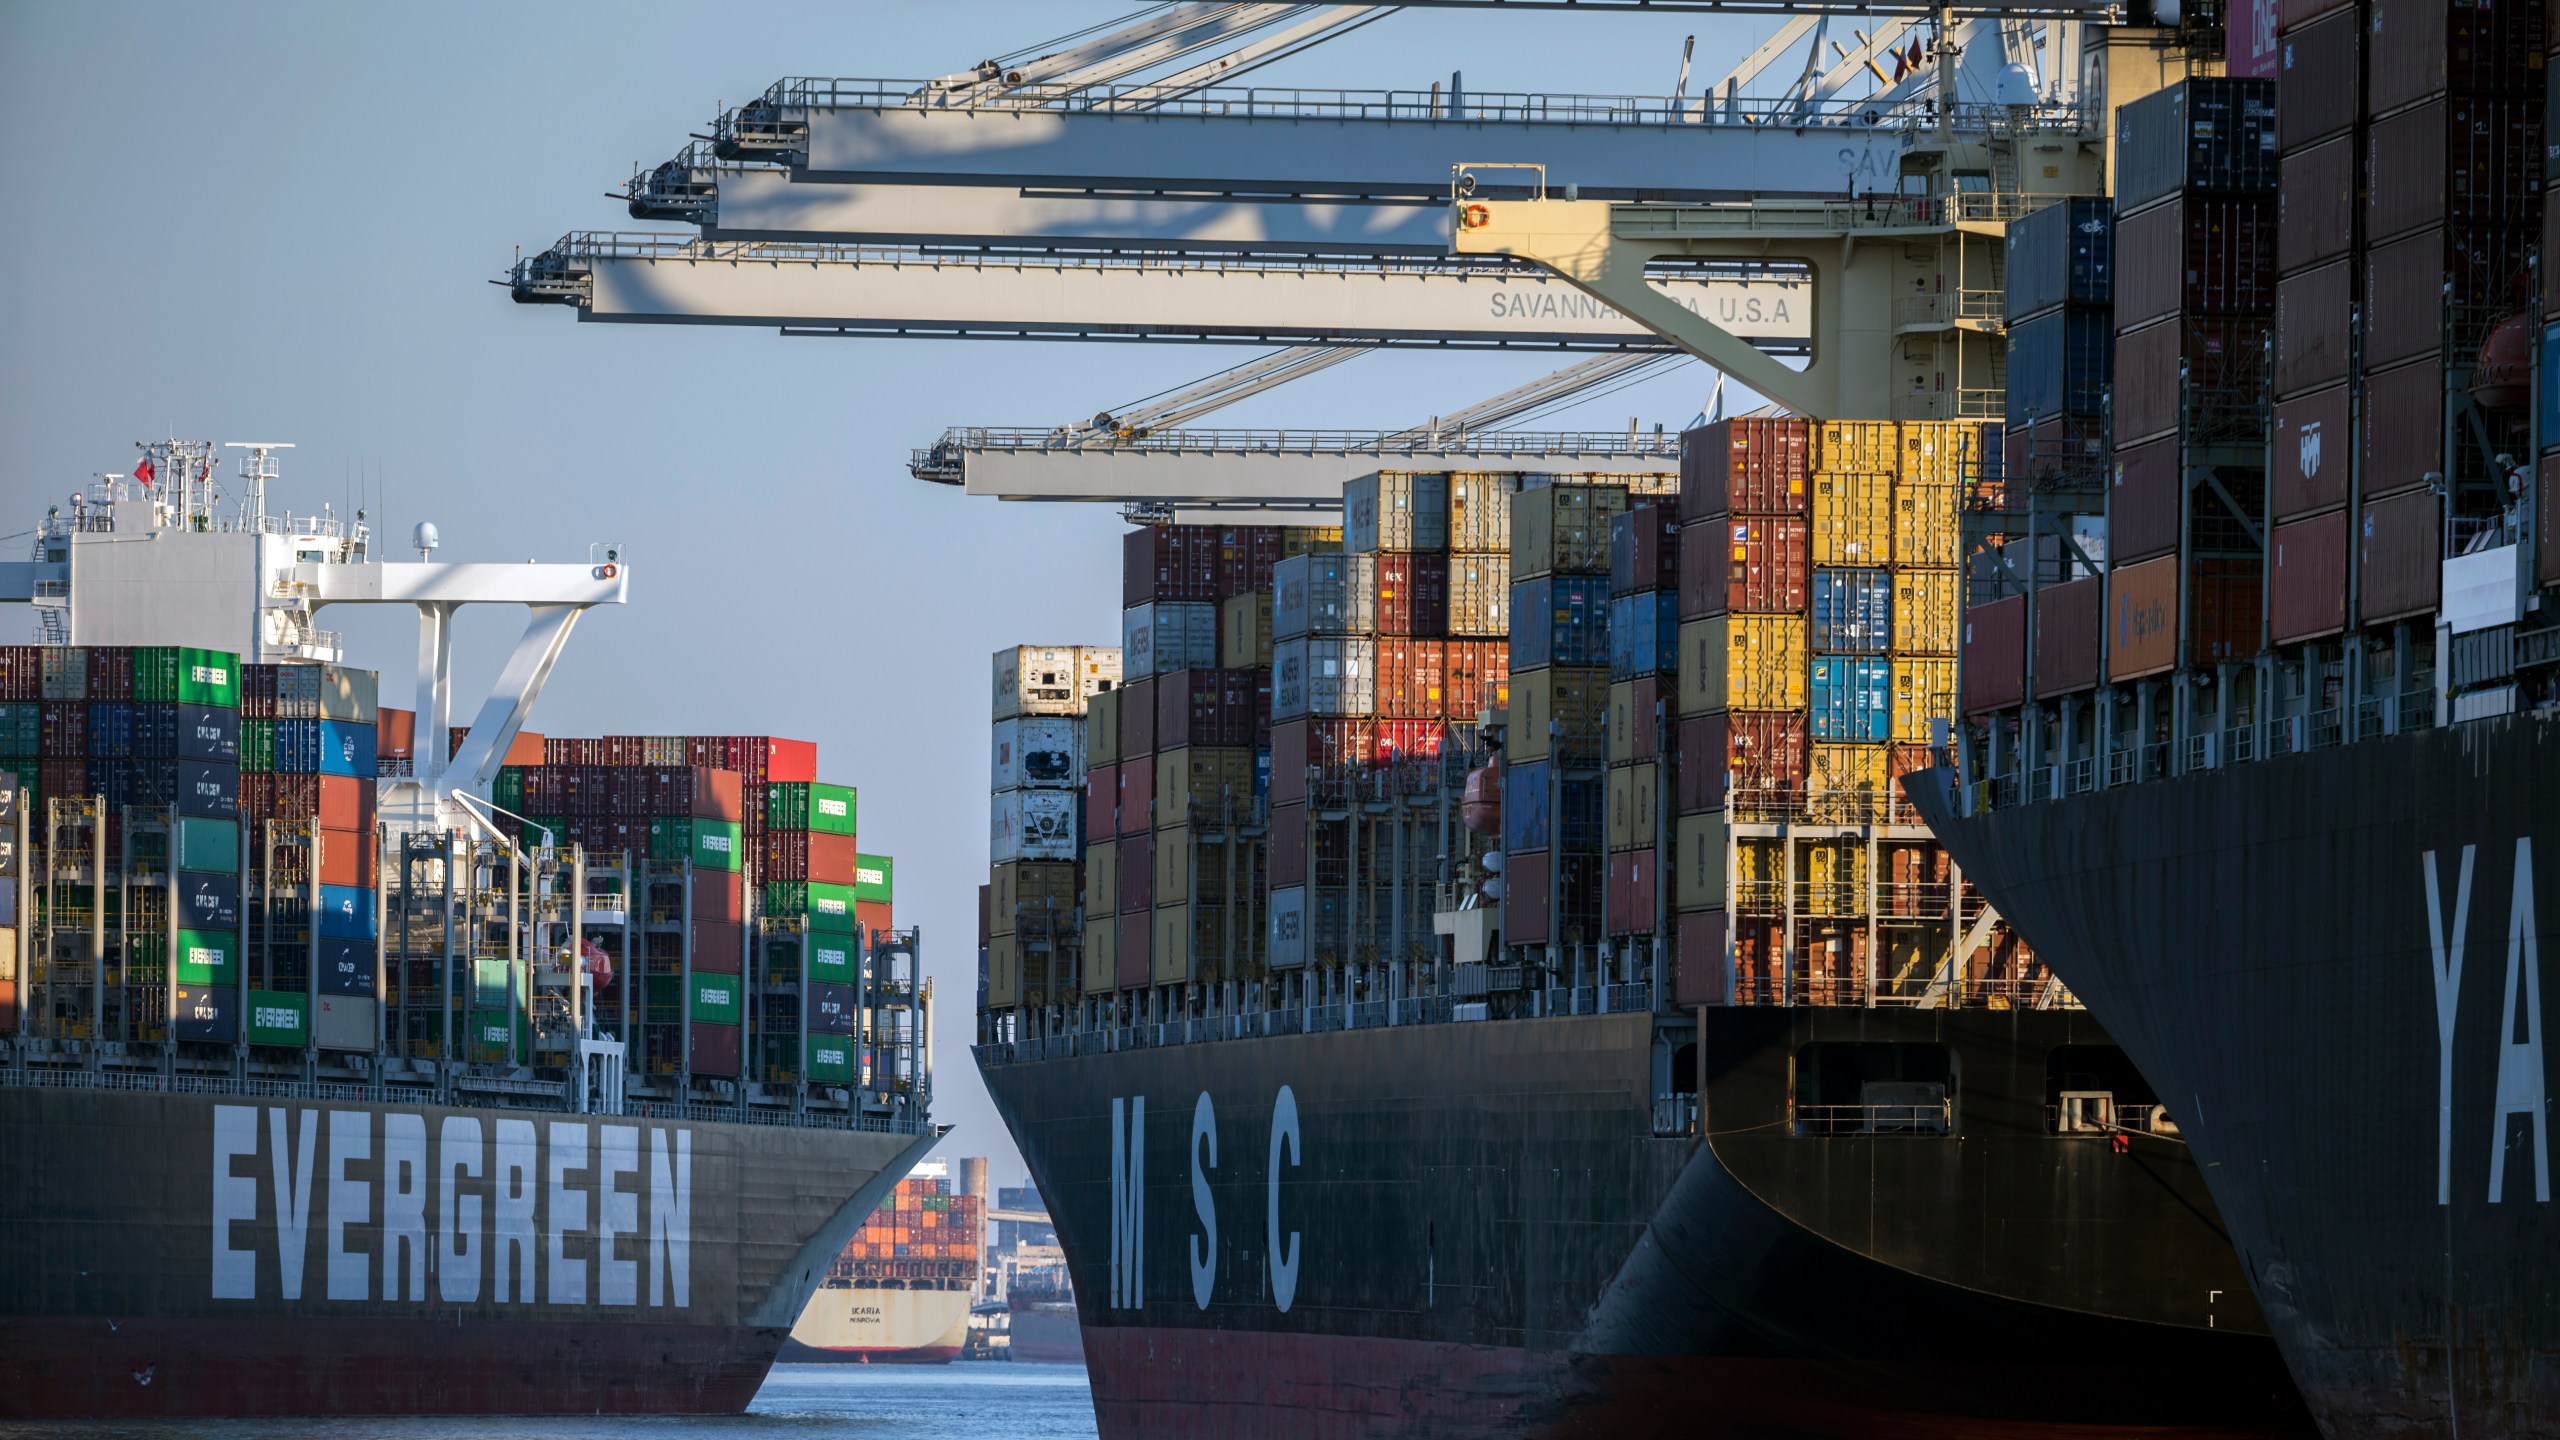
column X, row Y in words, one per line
column 2273, row 787
column 900, row 1292
column 353, row 1062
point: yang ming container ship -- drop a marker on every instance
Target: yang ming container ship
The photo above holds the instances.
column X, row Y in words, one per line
column 330, row 1087
column 2296, row 853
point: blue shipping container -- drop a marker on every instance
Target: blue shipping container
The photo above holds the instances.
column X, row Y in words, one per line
column 347, row 748
column 346, row 967
column 1644, row 634
column 170, row 731
column 1852, row 611
column 1560, row 620
column 1528, row 792
column 208, row 902
column 346, row 913
column 2062, row 254
column 2061, row 363
column 110, row 730
column 208, row 1014
column 1852, row 699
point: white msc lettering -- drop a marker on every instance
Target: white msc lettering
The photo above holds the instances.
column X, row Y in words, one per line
column 404, row 1206
column 567, row 1214
column 235, row 1201
column 1284, row 1264
column 1128, row 1200
column 457, row 1211
column 293, row 1174
column 1204, row 1246
column 2520, row 1087
column 515, row 1186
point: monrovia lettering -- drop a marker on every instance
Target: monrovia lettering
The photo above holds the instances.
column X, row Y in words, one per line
column 459, row 1209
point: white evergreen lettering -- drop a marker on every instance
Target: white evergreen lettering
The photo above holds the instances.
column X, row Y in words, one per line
column 350, row 1203
column 515, row 1189
column 293, row 1177
column 404, row 1205
column 459, row 1153
column 235, row 1201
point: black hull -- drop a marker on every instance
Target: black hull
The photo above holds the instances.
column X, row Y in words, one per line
column 1489, row 1239
column 2261, row 941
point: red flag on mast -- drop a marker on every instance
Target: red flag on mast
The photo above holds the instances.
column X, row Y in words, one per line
column 143, row 472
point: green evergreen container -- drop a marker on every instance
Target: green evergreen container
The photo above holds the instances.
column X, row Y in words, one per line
column 825, row 907
column 257, row 746
column 186, row 676
column 709, row 844
column 832, row 957
column 278, row 1017
column 208, row 957
column 831, row 1058
column 874, row 877
column 810, row 805
column 718, row 999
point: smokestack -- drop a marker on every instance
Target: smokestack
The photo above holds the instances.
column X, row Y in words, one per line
column 973, row 1176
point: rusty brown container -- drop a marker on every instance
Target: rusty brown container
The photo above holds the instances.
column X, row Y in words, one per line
column 2225, row 599
column 1767, row 749
column 2142, row 500
column 2318, row 68
column 2307, row 578
column 2141, row 619
column 1288, row 846
column 2403, row 427
column 2292, row 13
column 1699, row 774
column 2452, row 161
column 1704, row 973
column 2312, row 453
column 1137, row 719
column 2422, row 48
column 2447, row 285
column 2067, row 637
column 1994, row 673
column 2316, row 205
column 2311, row 327
column 1750, row 466
column 2146, row 388
column 1136, row 960
column 2214, row 362
column 2198, row 255
column 2400, row 557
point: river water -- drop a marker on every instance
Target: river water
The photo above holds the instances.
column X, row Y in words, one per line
column 909, row 1402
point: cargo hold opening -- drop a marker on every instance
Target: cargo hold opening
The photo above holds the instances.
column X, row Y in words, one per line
column 2095, row 1090
column 1860, row 1088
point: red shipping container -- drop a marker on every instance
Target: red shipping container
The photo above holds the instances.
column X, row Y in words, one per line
column 1699, row 772
column 1137, row 873
column 2452, row 161
column 2249, row 39
column 2219, row 357
column 294, row 797
column 1903, row 760
column 1633, row 878
column 715, row 1050
column 1993, row 675
column 2225, row 606
column 1758, row 565
column 2141, row 621
column 2400, row 557
column 2067, row 636
column 718, row 948
column 2311, row 449
column 2316, row 205
column 1703, row 971
column 1751, row 466
column 2143, row 500
column 2403, row 429
column 1407, row 738
column 1169, row 562
column 2307, row 585
column 2311, row 328
column 1319, row 745
column 1101, row 803
column 1413, row 592
column 1525, row 883
column 1470, row 665
column 1137, row 797
column 1137, row 719
column 1644, row 549
column 1412, row 678
column 22, row 673
column 343, row 803
column 873, row 916
column 2316, row 69
column 719, row 896
column 1187, row 704
column 1137, row 952
column 109, row 673
column 2195, row 255
column 2418, row 48
column 1246, row 554
column 350, row 857
column 1288, row 846
column 2478, row 271
column 1289, row 751
column 64, row 729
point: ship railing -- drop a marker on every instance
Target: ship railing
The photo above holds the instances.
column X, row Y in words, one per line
column 1621, row 999
column 2041, row 783
column 1365, row 1015
column 1320, row 1018
column 1901, row 1120
column 2327, row 728
column 2239, row 745
column 1675, row 1115
column 2080, row 776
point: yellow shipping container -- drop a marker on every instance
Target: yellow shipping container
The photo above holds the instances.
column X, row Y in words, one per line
column 1835, row 878
column 1101, row 952
column 1173, row 865
column 1923, row 690
column 1004, row 972
column 1924, row 523
column 1171, row 950
column 1926, row 608
column 1102, row 728
column 1102, row 876
column 1699, row 883
column 1948, row 452
column 1871, row 447
column 1632, row 796
column 1308, row 539
column 1742, row 662
column 1576, row 695
column 1479, row 511
column 1480, row 592
column 1846, row 783
column 1852, row 519
column 1198, row 780
column 1758, row 862
column 1028, row 889
column 1244, row 631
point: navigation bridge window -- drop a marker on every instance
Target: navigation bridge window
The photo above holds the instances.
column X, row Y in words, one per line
column 1854, row 1088
column 2094, row 1090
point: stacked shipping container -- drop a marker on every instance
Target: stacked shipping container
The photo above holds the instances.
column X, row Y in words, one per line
column 2061, row 265
column 1040, row 761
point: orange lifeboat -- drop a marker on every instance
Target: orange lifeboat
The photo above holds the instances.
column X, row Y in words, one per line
column 1480, row 804
column 2503, row 380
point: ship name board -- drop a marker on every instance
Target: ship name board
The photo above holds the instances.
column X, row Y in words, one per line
column 395, row 1205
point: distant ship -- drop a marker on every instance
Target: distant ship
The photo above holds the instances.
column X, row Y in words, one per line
column 899, row 1293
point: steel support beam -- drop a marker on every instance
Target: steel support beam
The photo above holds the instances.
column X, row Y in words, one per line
column 1225, row 468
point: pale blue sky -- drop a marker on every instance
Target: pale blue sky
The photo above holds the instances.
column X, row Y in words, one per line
column 277, row 221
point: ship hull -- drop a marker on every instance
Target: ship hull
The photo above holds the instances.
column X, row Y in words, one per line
column 189, row 1255
column 1044, row 1334
column 1472, row 1230
column 861, row 1326
column 2361, row 1067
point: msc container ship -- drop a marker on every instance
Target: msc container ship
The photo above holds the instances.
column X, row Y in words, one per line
column 328, row 1086
column 2274, row 790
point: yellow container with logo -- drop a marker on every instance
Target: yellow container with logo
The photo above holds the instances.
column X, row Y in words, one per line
column 1852, row 519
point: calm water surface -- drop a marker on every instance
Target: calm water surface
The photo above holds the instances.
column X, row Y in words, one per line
column 921, row 1402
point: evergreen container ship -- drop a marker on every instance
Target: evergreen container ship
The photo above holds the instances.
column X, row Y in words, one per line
column 328, row 1087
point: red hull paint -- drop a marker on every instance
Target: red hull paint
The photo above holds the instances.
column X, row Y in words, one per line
column 1168, row 1384
column 796, row 1353
column 199, row 1368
